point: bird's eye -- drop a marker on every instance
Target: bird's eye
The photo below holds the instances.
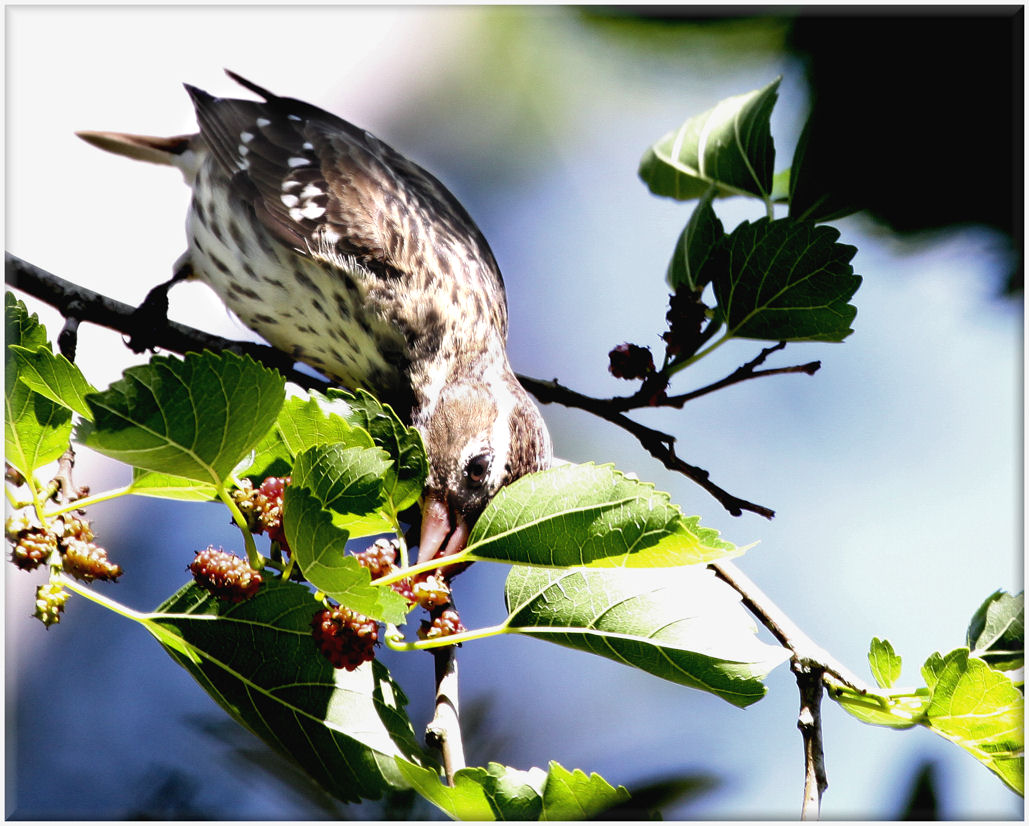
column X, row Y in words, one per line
column 477, row 470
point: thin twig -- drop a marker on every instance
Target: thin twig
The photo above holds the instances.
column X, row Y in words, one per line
column 444, row 731
column 84, row 304
column 784, row 629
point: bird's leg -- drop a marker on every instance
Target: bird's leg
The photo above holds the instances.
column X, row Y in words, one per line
column 153, row 312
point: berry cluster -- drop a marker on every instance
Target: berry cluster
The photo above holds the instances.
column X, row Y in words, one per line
column 380, row 558
column 262, row 507
column 431, row 591
column 224, row 575
column 50, row 601
column 71, row 536
column 444, row 624
column 345, row 637
column 686, row 315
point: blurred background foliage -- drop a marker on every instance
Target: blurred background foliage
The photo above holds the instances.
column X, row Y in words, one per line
column 886, row 469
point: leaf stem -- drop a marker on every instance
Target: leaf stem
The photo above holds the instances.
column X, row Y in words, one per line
column 106, row 602
column 421, row 568
column 253, row 557
column 699, row 355
column 95, row 499
column 397, row 643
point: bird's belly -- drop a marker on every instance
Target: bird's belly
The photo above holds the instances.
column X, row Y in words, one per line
column 319, row 314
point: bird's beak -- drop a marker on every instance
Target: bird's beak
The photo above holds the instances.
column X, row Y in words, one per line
column 444, row 532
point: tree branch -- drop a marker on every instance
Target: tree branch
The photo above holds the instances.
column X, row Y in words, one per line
column 80, row 304
column 444, row 731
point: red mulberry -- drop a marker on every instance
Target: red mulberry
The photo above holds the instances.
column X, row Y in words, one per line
column 345, row 637
column 224, row 575
column 630, row 361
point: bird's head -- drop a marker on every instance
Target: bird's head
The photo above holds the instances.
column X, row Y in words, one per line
column 480, row 435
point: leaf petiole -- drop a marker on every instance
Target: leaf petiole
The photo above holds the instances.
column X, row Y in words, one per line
column 421, row 568
column 255, row 560
column 395, row 640
column 86, row 501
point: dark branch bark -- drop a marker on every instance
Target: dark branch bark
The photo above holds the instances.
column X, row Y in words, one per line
column 79, row 304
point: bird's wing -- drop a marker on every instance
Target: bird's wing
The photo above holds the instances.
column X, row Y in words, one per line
column 335, row 192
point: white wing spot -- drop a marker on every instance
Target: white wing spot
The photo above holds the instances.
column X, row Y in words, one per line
column 312, row 211
column 290, row 201
column 294, row 117
column 262, row 122
column 246, row 137
column 310, row 191
column 293, row 163
column 308, row 146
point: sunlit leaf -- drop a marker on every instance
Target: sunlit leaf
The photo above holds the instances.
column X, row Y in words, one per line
column 165, row 486
column 683, row 624
column 884, row 662
column 196, row 417
column 996, row 633
column 53, row 376
column 319, row 547
column 590, row 515
column 729, row 147
column 498, row 792
column 698, row 254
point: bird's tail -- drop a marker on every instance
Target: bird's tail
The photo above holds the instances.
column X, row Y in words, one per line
column 164, row 151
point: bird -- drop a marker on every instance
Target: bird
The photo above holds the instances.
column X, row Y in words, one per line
column 356, row 261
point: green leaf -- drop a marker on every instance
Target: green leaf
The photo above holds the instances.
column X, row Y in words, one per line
column 348, row 481
column 729, row 146
column 20, row 328
column 319, row 547
column 164, row 486
column 197, row 418
column 698, row 254
column 682, row 624
column 53, row 376
column 884, row 662
column 303, row 422
column 590, row 515
column 36, row 430
column 980, row 709
column 257, row 659
column 996, row 633
column 787, row 280
column 403, row 444
column 966, row 701
column 497, row 792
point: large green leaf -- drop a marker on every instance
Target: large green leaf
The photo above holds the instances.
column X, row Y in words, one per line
column 319, row 547
column 197, row 417
column 498, row 792
column 402, row 443
column 684, row 624
column 980, row 709
column 165, row 486
column 590, row 515
column 786, row 280
column 258, row 660
column 729, row 147
column 808, row 196
column 36, row 429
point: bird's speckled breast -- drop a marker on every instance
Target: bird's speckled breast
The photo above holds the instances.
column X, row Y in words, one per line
column 325, row 316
